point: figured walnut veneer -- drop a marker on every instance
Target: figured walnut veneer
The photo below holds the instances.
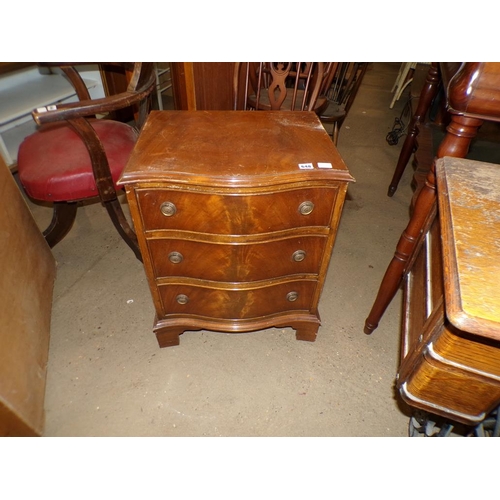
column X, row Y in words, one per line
column 235, row 236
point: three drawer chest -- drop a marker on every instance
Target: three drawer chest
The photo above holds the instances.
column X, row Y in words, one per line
column 236, row 214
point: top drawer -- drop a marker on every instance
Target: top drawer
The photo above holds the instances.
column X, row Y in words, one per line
column 235, row 213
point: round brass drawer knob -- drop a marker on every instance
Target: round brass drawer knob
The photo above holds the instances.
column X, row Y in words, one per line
column 306, row 207
column 292, row 296
column 299, row 255
column 168, row 209
column 182, row 299
column 175, row 257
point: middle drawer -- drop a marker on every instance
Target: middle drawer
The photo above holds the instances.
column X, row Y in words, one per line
column 237, row 262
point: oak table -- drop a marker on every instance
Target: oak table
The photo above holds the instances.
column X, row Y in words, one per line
column 450, row 362
column 236, row 214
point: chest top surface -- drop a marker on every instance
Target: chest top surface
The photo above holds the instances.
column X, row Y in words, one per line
column 234, row 148
column 469, row 204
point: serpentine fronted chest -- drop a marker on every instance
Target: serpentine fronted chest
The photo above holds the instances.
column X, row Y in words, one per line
column 236, row 213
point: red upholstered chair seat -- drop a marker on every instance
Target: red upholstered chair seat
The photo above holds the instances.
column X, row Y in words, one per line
column 54, row 164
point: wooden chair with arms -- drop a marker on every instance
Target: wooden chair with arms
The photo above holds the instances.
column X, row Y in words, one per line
column 274, row 86
column 74, row 156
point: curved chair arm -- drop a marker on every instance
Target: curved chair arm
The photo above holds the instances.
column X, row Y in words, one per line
column 80, row 117
column 76, row 114
column 57, row 112
column 138, row 89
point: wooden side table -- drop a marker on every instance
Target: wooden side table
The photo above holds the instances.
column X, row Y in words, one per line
column 236, row 214
column 450, row 362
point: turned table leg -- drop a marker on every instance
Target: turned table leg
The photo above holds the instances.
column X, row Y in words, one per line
column 429, row 91
column 456, row 143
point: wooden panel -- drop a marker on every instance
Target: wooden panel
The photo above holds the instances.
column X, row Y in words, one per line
column 462, row 395
column 183, row 86
column 435, row 266
column 469, row 351
column 423, row 290
column 214, row 85
column 26, row 283
column 418, row 309
column 202, row 85
column 115, row 80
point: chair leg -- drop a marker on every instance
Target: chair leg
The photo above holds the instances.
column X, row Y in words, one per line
column 456, row 143
column 428, row 93
column 62, row 219
column 335, row 133
column 122, row 226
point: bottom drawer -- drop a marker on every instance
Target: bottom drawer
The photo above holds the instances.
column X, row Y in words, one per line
column 437, row 386
column 237, row 304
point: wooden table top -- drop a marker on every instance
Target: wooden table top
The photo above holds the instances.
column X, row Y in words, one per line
column 469, row 206
column 240, row 148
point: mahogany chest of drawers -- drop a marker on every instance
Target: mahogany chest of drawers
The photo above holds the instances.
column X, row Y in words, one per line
column 236, row 214
column 450, row 360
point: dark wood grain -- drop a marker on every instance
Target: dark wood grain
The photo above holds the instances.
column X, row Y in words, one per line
column 237, row 260
column 202, row 85
column 235, row 236
column 245, row 212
